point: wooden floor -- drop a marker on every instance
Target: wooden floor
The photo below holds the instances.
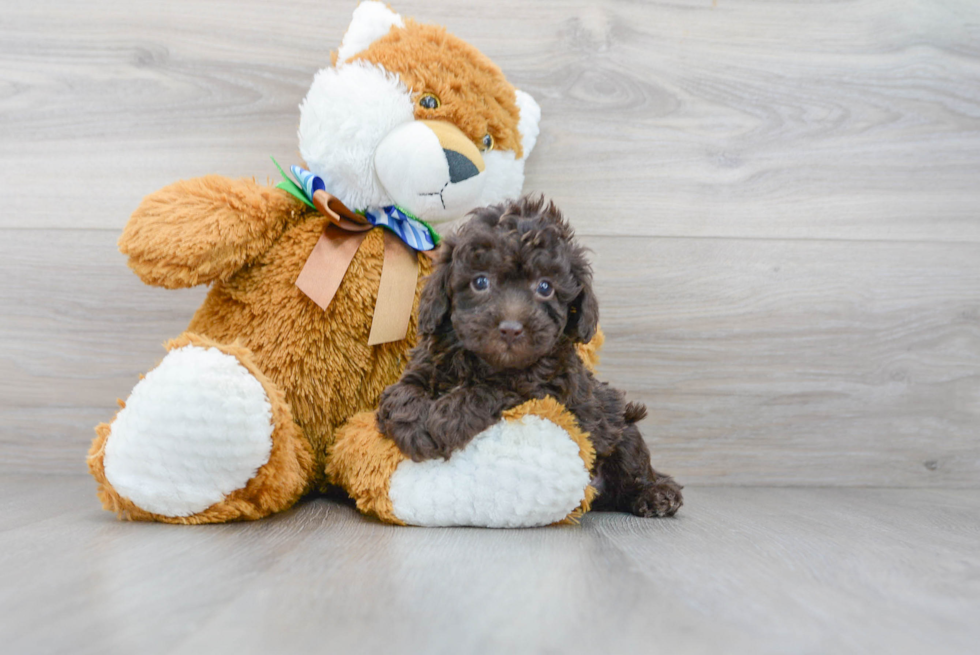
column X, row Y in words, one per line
column 740, row 570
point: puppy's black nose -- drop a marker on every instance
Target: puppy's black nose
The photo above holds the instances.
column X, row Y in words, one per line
column 511, row 330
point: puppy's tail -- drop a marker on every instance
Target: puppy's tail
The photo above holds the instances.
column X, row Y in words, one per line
column 635, row 412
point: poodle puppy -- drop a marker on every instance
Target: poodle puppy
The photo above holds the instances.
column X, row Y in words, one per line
column 499, row 322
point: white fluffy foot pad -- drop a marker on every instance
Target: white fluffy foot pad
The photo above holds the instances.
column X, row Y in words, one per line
column 194, row 429
column 516, row 474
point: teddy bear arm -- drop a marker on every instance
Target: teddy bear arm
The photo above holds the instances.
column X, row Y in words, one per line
column 531, row 468
column 589, row 352
column 204, row 229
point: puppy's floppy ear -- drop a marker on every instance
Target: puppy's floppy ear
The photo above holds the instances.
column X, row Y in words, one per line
column 583, row 312
column 436, row 303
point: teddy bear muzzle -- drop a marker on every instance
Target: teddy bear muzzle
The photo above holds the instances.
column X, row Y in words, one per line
column 431, row 169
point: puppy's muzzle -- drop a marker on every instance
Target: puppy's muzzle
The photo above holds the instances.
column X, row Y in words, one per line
column 511, row 331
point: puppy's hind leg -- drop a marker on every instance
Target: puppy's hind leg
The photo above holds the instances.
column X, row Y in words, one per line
column 627, row 482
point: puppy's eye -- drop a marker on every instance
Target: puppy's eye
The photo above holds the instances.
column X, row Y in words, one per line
column 480, row 283
column 429, row 101
column 486, row 143
column 544, row 290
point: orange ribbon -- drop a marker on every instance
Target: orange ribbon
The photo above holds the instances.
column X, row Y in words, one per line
column 331, row 258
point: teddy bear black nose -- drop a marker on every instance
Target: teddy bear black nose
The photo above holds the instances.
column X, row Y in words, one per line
column 511, row 330
column 460, row 167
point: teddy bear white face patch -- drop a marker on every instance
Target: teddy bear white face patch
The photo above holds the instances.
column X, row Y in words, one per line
column 431, row 169
column 361, row 132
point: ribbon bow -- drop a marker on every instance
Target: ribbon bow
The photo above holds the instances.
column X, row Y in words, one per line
column 404, row 235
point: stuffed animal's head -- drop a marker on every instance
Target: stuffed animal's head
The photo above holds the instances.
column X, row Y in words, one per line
column 410, row 115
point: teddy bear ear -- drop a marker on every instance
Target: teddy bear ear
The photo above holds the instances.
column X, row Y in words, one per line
column 371, row 21
column 528, row 122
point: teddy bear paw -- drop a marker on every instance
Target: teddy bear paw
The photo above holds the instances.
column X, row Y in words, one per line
column 194, row 429
column 521, row 473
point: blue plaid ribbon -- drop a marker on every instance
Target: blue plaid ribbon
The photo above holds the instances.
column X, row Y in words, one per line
column 414, row 232
column 409, row 229
column 309, row 182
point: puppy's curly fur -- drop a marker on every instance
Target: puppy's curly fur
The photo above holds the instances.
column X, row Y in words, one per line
column 499, row 322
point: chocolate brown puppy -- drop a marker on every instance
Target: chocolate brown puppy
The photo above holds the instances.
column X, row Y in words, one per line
column 499, row 322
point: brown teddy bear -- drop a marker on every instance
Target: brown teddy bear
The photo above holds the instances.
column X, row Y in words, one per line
column 305, row 323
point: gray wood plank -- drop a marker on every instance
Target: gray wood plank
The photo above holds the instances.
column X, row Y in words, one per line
column 740, row 570
column 794, row 362
column 900, row 565
column 111, row 587
column 762, row 362
column 853, row 120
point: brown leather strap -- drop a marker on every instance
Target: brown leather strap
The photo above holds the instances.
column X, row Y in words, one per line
column 339, row 214
column 325, row 267
column 396, row 292
column 332, row 255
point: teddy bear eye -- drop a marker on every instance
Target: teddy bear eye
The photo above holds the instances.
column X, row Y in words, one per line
column 429, row 101
column 486, row 142
column 545, row 289
column 480, row 283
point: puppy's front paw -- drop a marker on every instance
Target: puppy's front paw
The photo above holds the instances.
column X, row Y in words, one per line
column 423, row 448
column 452, row 424
column 660, row 498
column 416, row 443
